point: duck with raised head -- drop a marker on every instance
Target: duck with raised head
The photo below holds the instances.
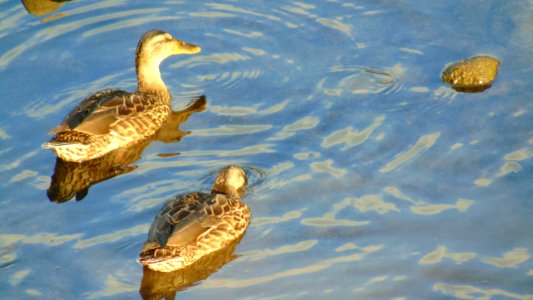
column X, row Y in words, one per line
column 112, row 118
column 195, row 224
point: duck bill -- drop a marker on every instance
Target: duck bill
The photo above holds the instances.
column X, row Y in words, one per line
column 186, row 48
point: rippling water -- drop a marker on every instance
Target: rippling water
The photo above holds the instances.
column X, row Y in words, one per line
column 369, row 177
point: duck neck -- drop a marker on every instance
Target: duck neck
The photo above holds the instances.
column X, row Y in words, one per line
column 230, row 193
column 149, row 78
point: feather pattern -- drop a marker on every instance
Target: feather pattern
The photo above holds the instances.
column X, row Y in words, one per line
column 195, row 224
column 113, row 118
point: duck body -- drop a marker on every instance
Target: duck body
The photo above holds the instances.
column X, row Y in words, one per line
column 108, row 120
column 195, row 224
column 113, row 118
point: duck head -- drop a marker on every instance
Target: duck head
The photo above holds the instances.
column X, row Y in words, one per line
column 230, row 180
column 154, row 47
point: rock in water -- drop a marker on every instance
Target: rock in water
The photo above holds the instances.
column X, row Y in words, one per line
column 472, row 75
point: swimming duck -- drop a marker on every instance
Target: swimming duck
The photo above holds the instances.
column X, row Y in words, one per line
column 75, row 178
column 195, row 224
column 113, row 118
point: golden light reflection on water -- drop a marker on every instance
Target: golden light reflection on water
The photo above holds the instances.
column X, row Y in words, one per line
column 113, row 285
column 232, row 130
column 250, row 150
column 4, row 135
column 424, row 142
column 18, row 276
column 520, row 154
column 509, row 259
column 41, row 108
column 252, row 34
column 42, row 238
column 395, row 192
column 53, row 239
column 361, row 80
column 419, row 89
column 411, row 51
column 33, row 292
column 423, row 208
column 375, row 280
column 217, row 58
column 373, row 203
column 472, row 292
column 312, row 268
column 52, row 32
column 6, row 258
column 445, row 92
column 24, row 174
column 131, row 22
column 112, row 237
column 289, row 130
column 231, row 8
column 377, row 204
column 291, row 215
column 211, row 14
column 254, row 51
column 327, row 167
column 148, row 195
column 462, row 205
column 307, row 155
column 337, row 25
column 511, row 165
column 437, row 255
column 350, row 137
column 329, row 218
column 248, row 110
column 285, row 249
column 17, row 162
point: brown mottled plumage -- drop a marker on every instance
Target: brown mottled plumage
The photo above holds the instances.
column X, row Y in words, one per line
column 165, row 285
column 113, row 118
column 75, row 178
column 196, row 224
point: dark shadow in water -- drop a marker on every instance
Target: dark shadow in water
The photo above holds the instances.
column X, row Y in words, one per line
column 471, row 88
column 159, row 285
column 74, row 178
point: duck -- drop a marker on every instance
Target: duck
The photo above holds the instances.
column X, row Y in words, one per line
column 113, row 118
column 73, row 179
column 195, row 224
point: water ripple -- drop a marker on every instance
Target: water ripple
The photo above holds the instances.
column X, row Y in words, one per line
column 346, row 80
column 217, row 79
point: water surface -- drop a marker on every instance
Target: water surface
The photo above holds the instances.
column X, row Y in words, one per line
column 369, row 177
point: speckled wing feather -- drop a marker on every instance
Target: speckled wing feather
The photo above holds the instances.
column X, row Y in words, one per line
column 98, row 112
column 183, row 219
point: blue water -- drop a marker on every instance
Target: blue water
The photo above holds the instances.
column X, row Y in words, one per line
column 369, row 177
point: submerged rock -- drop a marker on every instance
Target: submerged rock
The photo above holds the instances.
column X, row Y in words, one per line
column 472, row 75
column 41, row 7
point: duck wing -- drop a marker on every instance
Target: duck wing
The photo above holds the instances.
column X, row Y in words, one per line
column 183, row 219
column 96, row 113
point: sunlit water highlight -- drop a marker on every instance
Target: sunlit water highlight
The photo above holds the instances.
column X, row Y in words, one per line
column 369, row 178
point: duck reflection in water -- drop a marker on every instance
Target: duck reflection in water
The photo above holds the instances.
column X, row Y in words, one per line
column 74, row 179
column 160, row 285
